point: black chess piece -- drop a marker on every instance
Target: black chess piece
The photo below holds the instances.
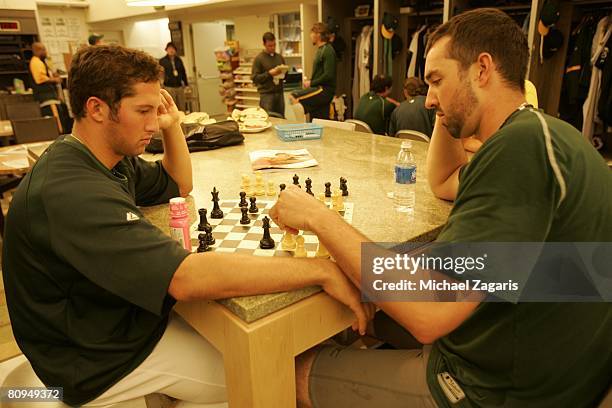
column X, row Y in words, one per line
column 203, row 247
column 253, row 208
column 296, row 180
column 245, row 216
column 243, row 201
column 203, row 220
column 266, row 242
column 328, row 189
column 282, row 186
column 343, row 187
column 216, row 211
column 210, row 240
column 309, row 186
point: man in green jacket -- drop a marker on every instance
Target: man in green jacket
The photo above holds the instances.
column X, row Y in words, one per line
column 318, row 92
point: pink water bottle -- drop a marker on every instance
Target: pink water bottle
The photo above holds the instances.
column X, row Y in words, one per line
column 179, row 222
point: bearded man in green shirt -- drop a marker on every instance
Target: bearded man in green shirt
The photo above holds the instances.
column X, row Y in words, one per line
column 535, row 180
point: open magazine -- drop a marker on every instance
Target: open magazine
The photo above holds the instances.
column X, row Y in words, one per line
column 281, row 159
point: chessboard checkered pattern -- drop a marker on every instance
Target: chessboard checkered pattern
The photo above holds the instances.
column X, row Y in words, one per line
column 231, row 236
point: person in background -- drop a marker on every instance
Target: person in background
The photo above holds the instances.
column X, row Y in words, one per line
column 375, row 107
column 264, row 75
column 319, row 91
column 95, row 39
column 412, row 113
column 45, row 89
column 175, row 77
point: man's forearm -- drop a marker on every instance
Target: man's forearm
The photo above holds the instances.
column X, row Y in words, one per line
column 217, row 275
column 176, row 159
column 445, row 157
column 427, row 321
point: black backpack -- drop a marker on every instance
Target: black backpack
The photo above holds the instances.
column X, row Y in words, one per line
column 205, row 137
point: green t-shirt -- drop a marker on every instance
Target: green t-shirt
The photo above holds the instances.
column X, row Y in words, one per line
column 530, row 354
column 86, row 276
column 375, row 110
column 412, row 115
column 324, row 68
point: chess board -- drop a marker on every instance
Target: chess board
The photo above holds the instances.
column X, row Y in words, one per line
column 231, row 236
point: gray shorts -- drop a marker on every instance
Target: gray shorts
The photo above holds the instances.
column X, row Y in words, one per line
column 356, row 378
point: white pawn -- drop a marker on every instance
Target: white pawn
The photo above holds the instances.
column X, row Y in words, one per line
column 246, row 184
column 271, row 189
column 321, row 197
column 300, row 251
column 260, row 189
column 338, row 203
column 288, row 241
column 322, row 252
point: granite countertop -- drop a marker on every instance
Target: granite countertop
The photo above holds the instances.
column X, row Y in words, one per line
column 365, row 160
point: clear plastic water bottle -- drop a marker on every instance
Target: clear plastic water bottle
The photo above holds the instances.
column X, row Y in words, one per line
column 405, row 179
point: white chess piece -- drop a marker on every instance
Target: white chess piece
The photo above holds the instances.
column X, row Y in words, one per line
column 260, row 189
column 271, row 189
column 288, row 241
column 246, row 184
column 322, row 252
column 337, row 200
column 300, row 251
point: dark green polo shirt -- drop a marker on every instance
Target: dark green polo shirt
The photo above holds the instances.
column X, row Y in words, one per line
column 85, row 274
column 376, row 111
column 324, row 68
column 412, row 115
column 530, row 354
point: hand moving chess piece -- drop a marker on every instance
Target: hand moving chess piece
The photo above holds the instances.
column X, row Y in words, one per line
column 266, row 242
column 216, row 211
column 253, row 208
column 300, row 251
column 245, row 216
column 203, row 220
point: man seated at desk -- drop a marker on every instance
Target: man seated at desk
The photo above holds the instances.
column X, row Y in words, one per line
column 535, row 179
column 90, row 282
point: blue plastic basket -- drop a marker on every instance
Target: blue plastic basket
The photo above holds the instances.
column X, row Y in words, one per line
column 302, row 131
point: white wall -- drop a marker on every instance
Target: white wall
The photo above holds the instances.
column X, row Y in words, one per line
column 249, row 30
column 18, row 4
column 69, row 42
column 149, row 35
